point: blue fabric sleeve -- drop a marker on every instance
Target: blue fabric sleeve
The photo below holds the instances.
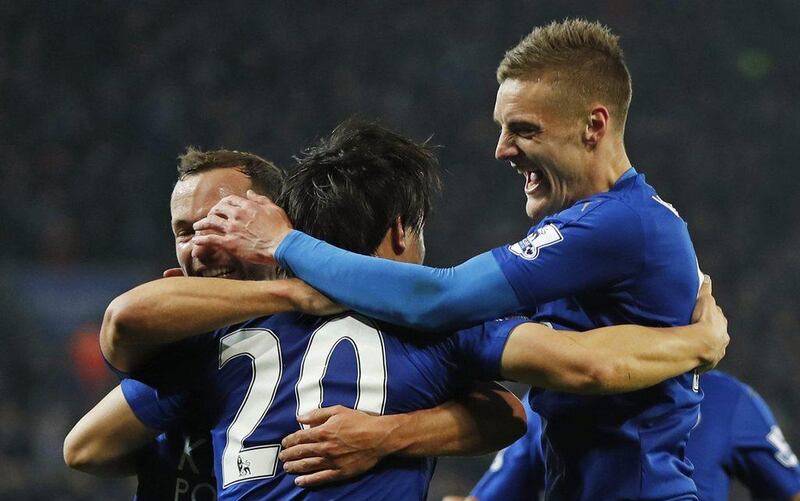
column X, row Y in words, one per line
column 156, row 409
column 480, row 348
column 762, row 459
column 517, row 472
column 580, row 249
column 434, row 299
column 163, row 393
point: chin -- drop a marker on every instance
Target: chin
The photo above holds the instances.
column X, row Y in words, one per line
column 537, row 210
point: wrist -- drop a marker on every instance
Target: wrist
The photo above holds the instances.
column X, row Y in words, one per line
column 297, row 294
column 275, row 296
column 280, row 244
column 396, row 439
column 704, row 349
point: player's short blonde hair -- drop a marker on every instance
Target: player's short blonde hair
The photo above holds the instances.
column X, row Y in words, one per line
column 582, row 60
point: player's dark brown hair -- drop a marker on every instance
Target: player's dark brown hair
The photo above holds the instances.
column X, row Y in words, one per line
column 267, row 177
column 582, row 60
column 352, row 186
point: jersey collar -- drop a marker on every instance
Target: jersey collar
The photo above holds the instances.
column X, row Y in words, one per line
column 627, row 175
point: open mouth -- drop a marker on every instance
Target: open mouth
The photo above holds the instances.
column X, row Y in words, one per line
column 217, row 272
column 534, row 180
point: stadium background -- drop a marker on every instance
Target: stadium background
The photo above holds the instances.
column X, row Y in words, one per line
column 98, row 98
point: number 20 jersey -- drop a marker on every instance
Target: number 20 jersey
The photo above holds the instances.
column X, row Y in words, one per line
column 255, row 378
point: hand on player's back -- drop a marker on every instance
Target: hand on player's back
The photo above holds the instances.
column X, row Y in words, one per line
column 707, row 312
column 249, row 228
column 341, row 444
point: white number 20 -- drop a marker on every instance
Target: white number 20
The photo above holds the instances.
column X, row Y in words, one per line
column 263, row 348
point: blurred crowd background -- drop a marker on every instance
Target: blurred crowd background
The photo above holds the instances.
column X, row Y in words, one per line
column 98, row 98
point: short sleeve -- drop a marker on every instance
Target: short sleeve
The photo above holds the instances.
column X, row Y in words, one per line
column 159, row 410
column 162, row 392
column 762, row 459
column 591, row 245
column 480, row 348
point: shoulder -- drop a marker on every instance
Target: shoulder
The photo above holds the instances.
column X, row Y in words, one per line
column 603, row 219
column 645, row 200
column 720, row 382
column 600, row 209
column 271, row 322
column 748, row 405
column 722, row 393
column 726, row 384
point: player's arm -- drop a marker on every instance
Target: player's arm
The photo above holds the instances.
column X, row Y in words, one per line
column 421, row 297
column 141, row 321
column 609, row 360
column 612, row 359
column 108, row 439
column 590, row 250
column 343, row 442
column 618, row 358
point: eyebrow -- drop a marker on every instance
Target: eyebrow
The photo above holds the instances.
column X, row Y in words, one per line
column 516, row 125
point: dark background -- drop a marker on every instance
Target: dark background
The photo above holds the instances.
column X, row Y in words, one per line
column 98, row 98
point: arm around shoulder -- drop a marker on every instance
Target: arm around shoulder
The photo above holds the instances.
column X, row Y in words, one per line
column 616, row 359
column 152, row 315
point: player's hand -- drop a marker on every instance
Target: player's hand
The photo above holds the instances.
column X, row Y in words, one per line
column 307, row 299
column 341, row 444
column 249, row 228
column 709, row 315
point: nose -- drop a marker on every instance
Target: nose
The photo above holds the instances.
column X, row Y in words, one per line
column 205, row 254
column 506, row 149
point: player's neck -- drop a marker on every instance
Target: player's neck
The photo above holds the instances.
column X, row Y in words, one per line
column 611, row 165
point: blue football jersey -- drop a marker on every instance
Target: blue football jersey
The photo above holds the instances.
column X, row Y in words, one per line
column 619, row 257
column 255, row 378
column 517, row 472
column 179, row 464
column 737, row 437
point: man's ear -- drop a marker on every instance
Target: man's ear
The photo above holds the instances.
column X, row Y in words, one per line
column 596, row 126
column 398, row 237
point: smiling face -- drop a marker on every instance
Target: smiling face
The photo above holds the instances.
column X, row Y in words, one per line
column 192, row 199
column 542, row 144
